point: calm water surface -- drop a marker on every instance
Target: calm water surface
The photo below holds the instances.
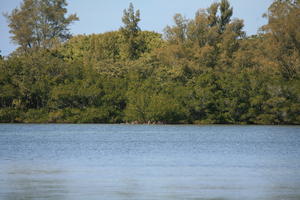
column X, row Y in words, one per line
column 139, row 162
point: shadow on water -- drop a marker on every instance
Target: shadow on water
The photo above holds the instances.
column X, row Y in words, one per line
column 53, row 184
column 29, row 184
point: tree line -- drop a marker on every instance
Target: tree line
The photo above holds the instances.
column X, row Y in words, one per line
column 203, row 70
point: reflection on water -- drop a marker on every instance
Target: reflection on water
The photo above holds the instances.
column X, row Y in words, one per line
column 29, row 184
column 119, row 162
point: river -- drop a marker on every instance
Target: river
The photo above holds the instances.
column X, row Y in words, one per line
column 149, row 162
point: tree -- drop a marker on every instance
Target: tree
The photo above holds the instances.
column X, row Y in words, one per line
column 226, row 13
column 177, row 33
column 205, row 71
column 283, row 31
column 212, row 14
column 40, row 23
column 131, row 30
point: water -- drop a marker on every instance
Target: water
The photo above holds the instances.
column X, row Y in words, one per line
column 139, row 162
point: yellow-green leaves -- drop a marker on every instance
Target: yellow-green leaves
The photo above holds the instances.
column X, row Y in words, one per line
column 40, row 24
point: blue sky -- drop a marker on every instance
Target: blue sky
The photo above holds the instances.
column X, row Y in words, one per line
column 98, row 16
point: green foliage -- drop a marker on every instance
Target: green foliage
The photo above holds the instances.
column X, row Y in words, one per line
column 8, row 115
column 40, row 23
column 226, row 13
column 130, row 32
column 283, row 31
column 204, row 71
column 35, row 116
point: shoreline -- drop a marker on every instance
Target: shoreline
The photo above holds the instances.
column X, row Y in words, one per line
column 143, row 124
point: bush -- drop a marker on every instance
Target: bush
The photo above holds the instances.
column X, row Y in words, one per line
column 8, row 115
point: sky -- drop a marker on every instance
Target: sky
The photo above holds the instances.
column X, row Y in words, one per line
column 98, row 16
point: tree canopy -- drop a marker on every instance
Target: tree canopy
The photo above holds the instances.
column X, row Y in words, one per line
column 203, row 70
column 40, row 23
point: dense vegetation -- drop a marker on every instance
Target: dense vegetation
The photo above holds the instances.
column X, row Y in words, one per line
column 202, row 70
